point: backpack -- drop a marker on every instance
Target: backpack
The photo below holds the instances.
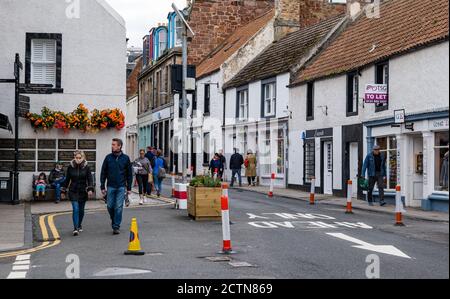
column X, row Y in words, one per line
column 162, row 170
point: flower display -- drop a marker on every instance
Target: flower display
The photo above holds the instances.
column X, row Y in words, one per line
column 81, row 119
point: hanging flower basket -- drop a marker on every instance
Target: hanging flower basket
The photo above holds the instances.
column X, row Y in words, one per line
column 79, row 119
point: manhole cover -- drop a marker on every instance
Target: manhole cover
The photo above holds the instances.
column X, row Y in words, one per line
column 240, row 264
column 218, row 259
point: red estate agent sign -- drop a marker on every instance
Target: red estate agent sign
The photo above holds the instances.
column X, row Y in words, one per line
column 376, row 94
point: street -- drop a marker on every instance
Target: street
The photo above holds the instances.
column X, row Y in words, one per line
column 273, row 238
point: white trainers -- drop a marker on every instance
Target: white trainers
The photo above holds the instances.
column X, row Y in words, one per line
column 145, row 200
column 141, row 200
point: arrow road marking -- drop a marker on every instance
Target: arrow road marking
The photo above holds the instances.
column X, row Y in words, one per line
column 386, row 249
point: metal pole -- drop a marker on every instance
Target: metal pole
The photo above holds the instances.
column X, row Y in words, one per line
column 184, row 107
column 16, row 133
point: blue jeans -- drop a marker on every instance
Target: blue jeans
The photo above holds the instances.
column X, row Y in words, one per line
column 40, row 188
column 78, row 213
column 115, row 200
column 158, row 183
column 233, row 176
column 57, row 186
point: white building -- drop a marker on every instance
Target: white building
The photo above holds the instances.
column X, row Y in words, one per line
column 257, row 100
column 333, row 129
column 81, row 51
column 131, row 128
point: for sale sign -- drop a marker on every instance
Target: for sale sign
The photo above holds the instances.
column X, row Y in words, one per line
column 376, row 94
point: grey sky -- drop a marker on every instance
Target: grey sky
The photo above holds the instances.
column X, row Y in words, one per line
column 141, row 15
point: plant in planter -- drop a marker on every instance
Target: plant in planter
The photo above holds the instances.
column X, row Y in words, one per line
column 204, row 201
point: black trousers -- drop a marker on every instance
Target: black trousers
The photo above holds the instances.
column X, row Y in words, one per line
column 251, row 179
column 378, row 179
column 142, row 180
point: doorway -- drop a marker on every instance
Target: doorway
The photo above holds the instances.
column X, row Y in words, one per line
column 353, row 166
column 328, row 167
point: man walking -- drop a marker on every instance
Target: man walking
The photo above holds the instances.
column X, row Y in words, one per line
column 236, row 162
column 375, row 164
column 117, row 173
column 224, row 164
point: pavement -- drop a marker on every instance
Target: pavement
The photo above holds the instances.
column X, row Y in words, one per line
column 273, row 238
column 12, row 226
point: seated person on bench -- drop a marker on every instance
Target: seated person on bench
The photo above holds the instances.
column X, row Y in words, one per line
column 40, row 184
column 56, row 178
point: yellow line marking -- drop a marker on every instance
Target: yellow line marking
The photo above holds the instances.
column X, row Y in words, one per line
column 43, row 227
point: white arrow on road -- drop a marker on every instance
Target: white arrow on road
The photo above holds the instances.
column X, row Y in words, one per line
column 386, row 249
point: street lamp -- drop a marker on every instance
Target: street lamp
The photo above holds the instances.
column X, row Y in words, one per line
column 186, row 27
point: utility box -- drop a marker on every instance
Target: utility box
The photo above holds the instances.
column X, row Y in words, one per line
column 6, row 182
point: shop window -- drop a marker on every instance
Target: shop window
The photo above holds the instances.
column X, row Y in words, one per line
column 309, row 161
column 441, row 161
column 388, row 147
column 266, row 157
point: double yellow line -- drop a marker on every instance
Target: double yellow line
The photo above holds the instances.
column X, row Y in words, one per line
column 56, row 240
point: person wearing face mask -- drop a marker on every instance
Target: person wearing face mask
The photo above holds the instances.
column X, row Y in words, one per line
column 79, row 178
column 56, row 178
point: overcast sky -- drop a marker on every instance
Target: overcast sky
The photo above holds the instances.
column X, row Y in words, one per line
column 141, row 15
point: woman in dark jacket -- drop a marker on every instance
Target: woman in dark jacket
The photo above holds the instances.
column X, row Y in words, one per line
column 80, row 184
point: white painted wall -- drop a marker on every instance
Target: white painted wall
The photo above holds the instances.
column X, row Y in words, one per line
column 419, row 82
column 93, row 64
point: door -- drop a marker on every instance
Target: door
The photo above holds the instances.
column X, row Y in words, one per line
column 353, row 157
column 328, row 168
column 417, row 176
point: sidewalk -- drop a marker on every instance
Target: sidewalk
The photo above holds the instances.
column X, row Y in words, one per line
column 411, row 213
column 12, row 226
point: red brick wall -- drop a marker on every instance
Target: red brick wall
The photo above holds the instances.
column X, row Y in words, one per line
column 314, row 11
column 132, row 82
column 214, row 20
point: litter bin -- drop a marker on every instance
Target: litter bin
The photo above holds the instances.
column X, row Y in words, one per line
column 6, row 182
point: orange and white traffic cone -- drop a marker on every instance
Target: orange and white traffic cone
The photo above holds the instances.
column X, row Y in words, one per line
column 349, row 197
column 226, row 231
column 398, row 207
column 312, row 193
column 272, row 179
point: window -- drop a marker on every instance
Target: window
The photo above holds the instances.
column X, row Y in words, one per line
column 309, row 161
column 269, row 99
column 178, row 32
column 162, row 42
column 266, row 160
column 206, row 148
column 310, row 101
column 382, row 77
column 280, row 150
column 207, row 99
column 388, row 147
column 44, row 59
column 441, row 161
column 352, row 94
column 243, row 105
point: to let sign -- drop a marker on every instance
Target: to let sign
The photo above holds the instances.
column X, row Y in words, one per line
column 376, row 94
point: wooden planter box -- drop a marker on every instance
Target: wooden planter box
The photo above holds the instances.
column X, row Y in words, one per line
column 204, row 203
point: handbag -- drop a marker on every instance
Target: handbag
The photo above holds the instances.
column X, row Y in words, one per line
column 150, row 178
column 363, row 184
column 246, row 162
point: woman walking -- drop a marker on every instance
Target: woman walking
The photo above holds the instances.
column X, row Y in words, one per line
column 143, row 169
column 250, row 168
column 79, row 180
column 159, row 172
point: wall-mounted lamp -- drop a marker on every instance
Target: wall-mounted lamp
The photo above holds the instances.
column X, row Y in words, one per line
column 324, row 111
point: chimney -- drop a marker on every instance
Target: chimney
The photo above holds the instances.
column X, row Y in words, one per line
column 287, row 17
column 354, row 7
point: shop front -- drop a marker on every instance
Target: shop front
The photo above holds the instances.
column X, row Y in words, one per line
column 416, row 158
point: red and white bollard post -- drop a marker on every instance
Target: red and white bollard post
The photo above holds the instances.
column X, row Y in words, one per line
column 272, row 180
column 312, row 193
column 216, row 173
column 173, row 182
column 398, row 207
column 226, row 231
column 349, row 197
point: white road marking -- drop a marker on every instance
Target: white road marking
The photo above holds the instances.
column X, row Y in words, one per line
column 22, row 263
column 308, row 225
column 120, row 271
column 386, row 249
column 17, row 275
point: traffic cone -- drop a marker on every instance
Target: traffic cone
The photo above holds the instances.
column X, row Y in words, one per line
column 134, row 247
column 349, row 197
